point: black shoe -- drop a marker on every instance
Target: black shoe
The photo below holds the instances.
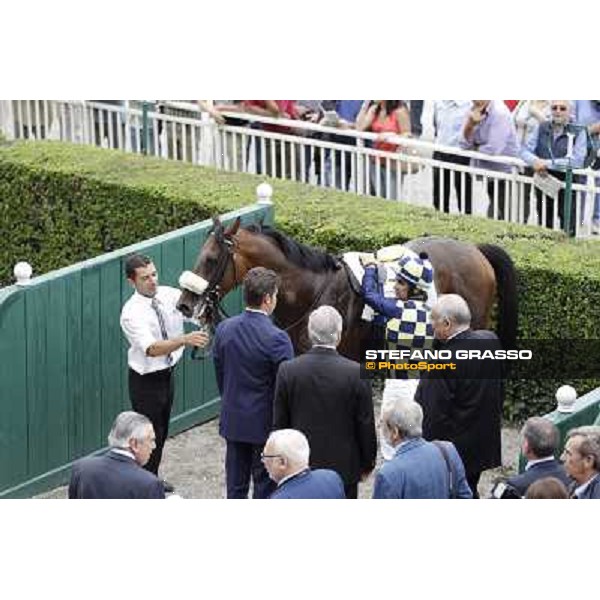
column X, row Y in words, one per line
column 169, row 489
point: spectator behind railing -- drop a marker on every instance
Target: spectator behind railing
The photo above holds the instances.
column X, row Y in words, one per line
column 341, row 167
column 489, row 129
column 282, row 168
column 311, row 111
column 215, row 108
column 416, row 114
column 448, row 119
column 385, row 117
column 587, row 112
column 545, row 151
column 527, row 115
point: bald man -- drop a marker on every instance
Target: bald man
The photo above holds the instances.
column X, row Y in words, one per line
column 286, row 457
column 464, row 406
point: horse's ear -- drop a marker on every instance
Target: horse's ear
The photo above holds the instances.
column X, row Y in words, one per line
column 234, row 228
column 216, row 222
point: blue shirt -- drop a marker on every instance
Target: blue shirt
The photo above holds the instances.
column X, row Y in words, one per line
column 348, row 109
column 528, row 150
column 587, row 112
column 496, row 135
column 448, row 119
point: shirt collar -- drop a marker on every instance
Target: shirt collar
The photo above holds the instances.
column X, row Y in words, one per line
column 456, row 333
column 537, row 461
column 123, row 452
column 142, row 298
column 256, row 310
column 579, row 491
column 288, row 477
column 328, row 346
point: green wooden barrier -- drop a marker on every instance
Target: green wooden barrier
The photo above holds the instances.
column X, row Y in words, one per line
column 586, row 411
column 63, row 368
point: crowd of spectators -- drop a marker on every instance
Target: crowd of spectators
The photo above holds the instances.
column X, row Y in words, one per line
column 547, row 135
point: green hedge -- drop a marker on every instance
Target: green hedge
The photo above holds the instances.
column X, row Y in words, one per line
column 62, row 203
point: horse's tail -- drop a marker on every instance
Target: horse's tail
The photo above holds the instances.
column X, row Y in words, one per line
column 506, row 284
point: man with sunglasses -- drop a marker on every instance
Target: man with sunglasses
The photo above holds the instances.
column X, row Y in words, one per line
column 549, row 149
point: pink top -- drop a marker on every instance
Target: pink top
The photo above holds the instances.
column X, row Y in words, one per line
column 387, row 124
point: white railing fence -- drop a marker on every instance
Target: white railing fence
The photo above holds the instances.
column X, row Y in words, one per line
column 306, row 152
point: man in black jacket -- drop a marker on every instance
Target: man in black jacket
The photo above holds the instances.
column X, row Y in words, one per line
column 321, row 394
column 464, row 406
column 540, row 439
column 118, row 474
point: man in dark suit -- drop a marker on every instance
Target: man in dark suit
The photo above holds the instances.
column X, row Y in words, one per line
column 119, row 473
column 540, row 442
column 321, row 394
column 464, row 406
column 247, row 352
column 286, row 457
column 582, row 461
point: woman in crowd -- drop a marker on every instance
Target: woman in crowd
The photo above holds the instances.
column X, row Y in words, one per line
column 385, row 117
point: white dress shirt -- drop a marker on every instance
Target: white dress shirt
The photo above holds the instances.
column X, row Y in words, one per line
column 141, row 327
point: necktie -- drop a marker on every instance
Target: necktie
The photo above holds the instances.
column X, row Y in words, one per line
column 163, row 328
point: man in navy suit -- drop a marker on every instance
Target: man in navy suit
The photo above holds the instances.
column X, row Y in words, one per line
column 418, row 469
column 285, row 457
column 582, row 461
column 247, row 352
column 540, row 443
column 119, row 473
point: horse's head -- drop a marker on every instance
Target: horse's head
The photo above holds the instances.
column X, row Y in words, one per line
column 213, row 275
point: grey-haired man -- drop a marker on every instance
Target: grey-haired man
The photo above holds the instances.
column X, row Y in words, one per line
column 119, row 473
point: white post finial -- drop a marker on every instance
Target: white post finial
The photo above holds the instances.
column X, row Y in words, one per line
column 565, row 399
column 22, row 273
column 264, row 193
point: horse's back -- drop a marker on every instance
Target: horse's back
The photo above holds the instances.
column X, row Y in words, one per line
column 461, row 268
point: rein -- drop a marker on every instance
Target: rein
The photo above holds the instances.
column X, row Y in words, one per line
column 308, row 311
column 211, row 308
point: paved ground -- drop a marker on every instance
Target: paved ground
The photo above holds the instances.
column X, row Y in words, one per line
column 193, row 462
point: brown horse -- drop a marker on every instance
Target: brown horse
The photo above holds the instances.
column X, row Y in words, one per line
column 310, row 278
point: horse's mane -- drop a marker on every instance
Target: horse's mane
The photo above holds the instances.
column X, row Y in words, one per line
column 298, row 254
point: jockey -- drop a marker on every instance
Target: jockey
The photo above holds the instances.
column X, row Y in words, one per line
column 409, row 320
column 409, row 314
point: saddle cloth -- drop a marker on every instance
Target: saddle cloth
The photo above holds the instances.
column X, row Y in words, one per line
column 388, row 258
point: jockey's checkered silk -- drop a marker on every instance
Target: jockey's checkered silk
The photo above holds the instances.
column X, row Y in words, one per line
column 413, row 329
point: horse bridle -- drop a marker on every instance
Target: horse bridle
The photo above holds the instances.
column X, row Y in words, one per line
column 209, row 307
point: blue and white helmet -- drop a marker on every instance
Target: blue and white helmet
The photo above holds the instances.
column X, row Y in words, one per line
column 416, row 270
